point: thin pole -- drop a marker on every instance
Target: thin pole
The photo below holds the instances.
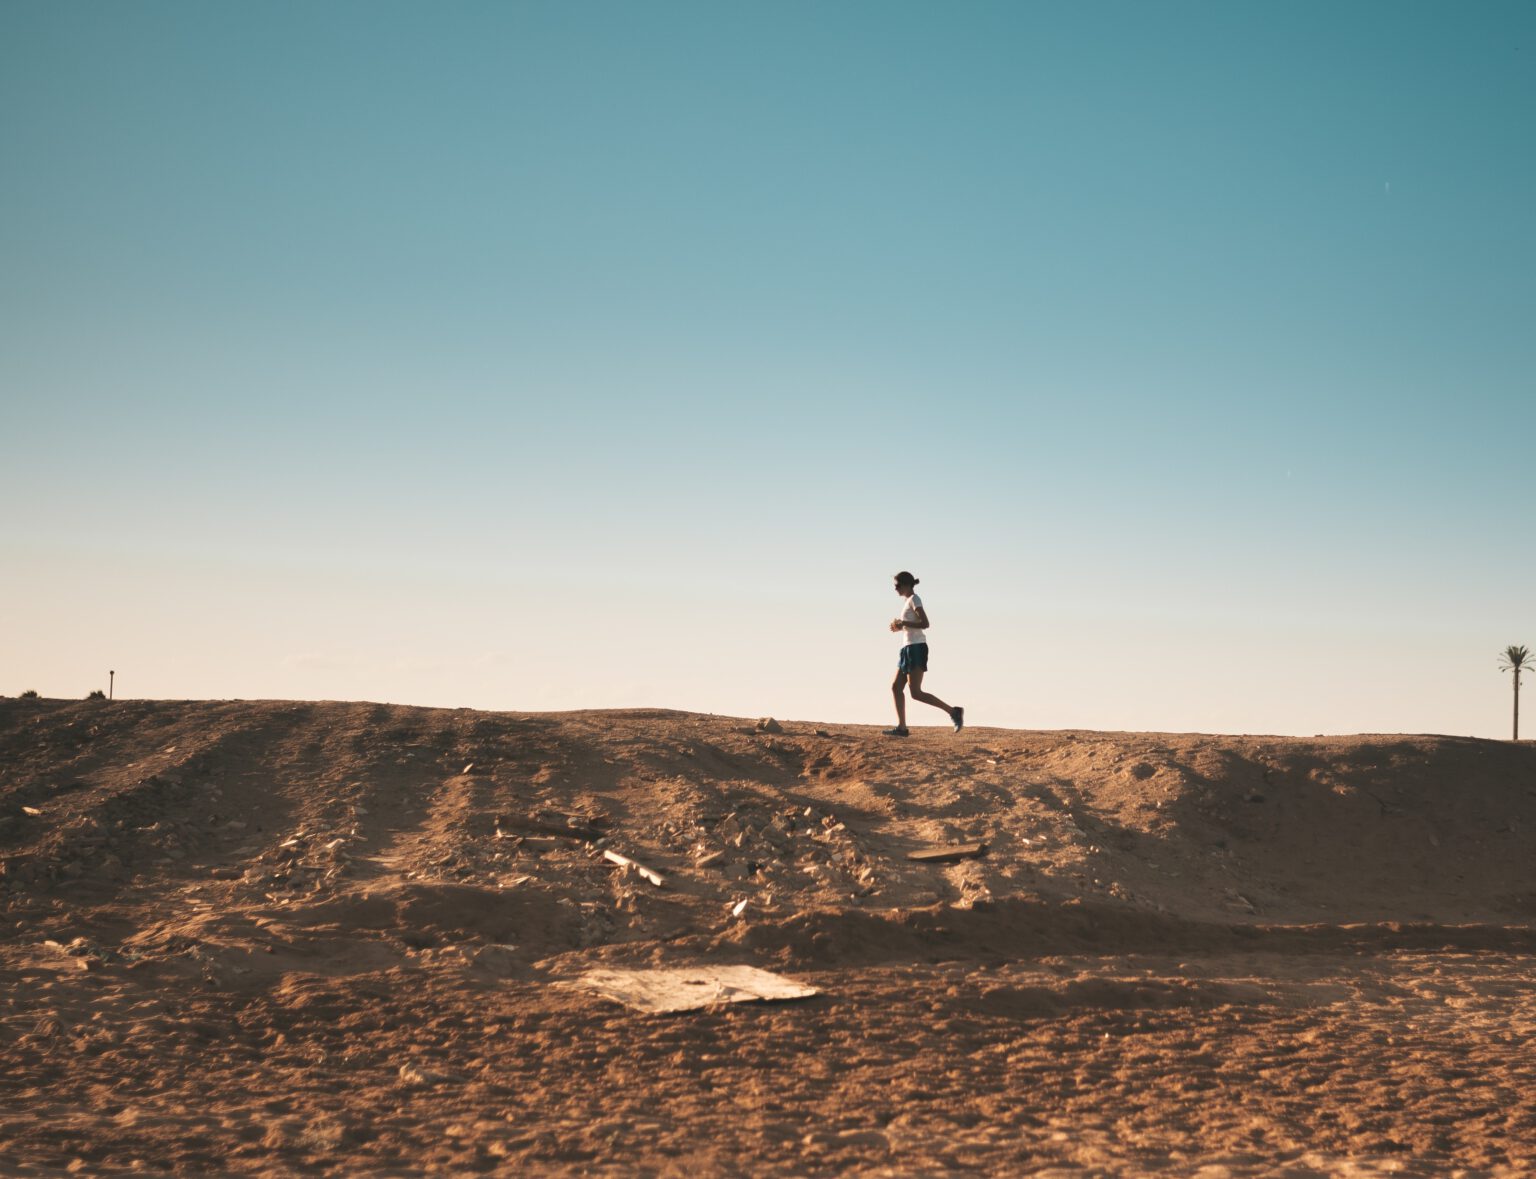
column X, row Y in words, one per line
column 112, row 675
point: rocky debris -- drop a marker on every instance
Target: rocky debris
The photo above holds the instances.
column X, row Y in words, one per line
column 304, row 863
column 768, row 725
column 758, row 842
column 86, row 953
column 162, row 819
column 589, row 922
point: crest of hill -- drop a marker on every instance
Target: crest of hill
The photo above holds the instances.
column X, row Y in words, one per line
column 415, row 828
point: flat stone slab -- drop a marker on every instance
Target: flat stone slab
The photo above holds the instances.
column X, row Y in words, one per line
column 687, row 989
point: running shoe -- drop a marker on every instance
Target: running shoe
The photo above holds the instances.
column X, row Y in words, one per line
column 958, row 716
column 898, row 731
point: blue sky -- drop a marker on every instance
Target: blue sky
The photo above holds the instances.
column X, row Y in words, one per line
column 558, row 355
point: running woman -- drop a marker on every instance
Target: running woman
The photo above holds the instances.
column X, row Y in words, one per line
column 914, row 658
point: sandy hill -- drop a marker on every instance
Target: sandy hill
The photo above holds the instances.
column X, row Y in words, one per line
column 225, row 858
column 312, row 806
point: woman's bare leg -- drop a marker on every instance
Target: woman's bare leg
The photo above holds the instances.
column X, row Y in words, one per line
column 925, row 697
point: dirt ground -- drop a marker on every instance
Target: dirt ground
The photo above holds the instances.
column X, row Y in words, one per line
column 330, row 938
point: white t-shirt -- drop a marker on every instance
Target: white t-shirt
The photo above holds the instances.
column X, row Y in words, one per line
column 914, row 604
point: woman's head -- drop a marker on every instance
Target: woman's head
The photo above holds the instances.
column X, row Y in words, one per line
column 905, row 583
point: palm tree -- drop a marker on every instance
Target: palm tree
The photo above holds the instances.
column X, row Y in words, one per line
column 1516, row 659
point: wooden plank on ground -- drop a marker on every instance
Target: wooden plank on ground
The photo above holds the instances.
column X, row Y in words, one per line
column 622, row 861
column 948, row 855
column 687, row 989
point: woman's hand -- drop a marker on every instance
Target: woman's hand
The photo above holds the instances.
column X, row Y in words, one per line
column 897, row 624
